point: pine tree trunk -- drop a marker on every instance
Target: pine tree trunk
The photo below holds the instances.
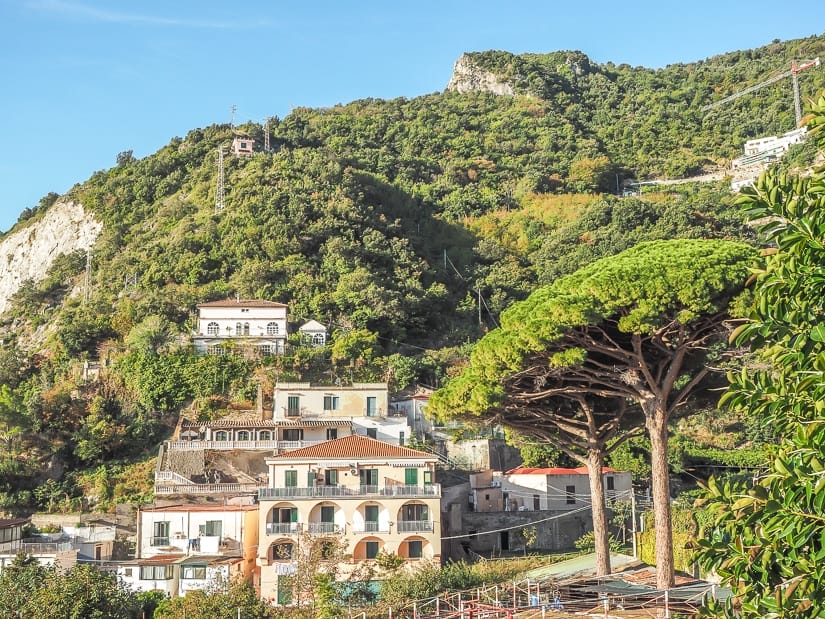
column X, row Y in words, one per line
column 601, row 535
column 656, row 422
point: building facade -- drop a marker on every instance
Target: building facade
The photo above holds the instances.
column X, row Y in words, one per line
column 558, row 489
column 258, row 327
column 375, row 496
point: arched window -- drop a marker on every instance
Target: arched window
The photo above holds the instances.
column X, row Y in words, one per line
column 319, row 339
column 246, row 328
column 238, row 328
column 272, row 328
column 264, row 435
column 282, row 551
column 220, row 435
column 212, row 328
column 243, row 435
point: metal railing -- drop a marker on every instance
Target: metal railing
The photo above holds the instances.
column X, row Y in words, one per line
column 256, row 444
column 430, row 490
column 282, row 528
column 323, row 527
column 159, row 541
column 204, row 488
column 411, row 526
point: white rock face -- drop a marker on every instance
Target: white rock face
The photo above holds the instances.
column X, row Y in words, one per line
column 469, row 78
column 28, row 253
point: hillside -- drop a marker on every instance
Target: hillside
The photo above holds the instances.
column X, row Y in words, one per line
column 386, row 220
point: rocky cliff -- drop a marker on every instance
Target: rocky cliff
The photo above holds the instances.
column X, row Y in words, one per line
column 467, row 77
column 28, row 253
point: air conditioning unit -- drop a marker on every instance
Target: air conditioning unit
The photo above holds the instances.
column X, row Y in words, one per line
column 353, row 471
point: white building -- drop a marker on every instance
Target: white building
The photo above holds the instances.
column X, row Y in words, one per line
column 413, row 407
column 313, row 333
column 558, row 489
column 255, row 326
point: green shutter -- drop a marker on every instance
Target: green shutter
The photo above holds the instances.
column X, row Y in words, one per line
column 411, row 477
column 310, row 479
column 293, row 514
column 290, row 479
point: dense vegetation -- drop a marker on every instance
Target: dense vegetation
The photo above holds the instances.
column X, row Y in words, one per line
column 386, row 220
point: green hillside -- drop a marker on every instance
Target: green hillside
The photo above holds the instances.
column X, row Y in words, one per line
column 386, row 220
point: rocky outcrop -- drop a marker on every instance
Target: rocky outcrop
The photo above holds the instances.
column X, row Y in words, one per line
column 28, row 253
column 467, row 77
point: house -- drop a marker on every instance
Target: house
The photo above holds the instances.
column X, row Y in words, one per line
column 365, row 405
column 313, row 333
column 63, row 549
column 252, row 326
column 413, row 407
column 242, row 145
column 182, row 547
column 558, row 489
column 376, row 495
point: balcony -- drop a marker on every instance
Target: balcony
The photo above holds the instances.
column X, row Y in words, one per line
column 218, row 445
column 415, row 526
column 430, row 490
column 159, row 541
column 370, row 527
column 323, row 527
column 282, row 528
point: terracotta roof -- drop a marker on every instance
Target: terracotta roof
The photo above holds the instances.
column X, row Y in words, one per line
column 268, row 423
column 582, row 470
column 202, row 508
column 355, row 446
column 241, row 303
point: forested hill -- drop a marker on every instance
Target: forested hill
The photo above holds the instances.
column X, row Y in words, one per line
column 405, row 225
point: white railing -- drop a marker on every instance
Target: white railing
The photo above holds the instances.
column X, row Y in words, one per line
column 282, row 528
column 191, row 488
column 172, row 478
column 414, row 526
column 370, row 527
column 431, row 490
column 218, row 445
column 323, row 527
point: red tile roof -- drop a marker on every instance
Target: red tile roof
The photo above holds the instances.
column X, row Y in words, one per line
column 355, row 446
column 201, row 508
column 241, row 303
column 582, row 470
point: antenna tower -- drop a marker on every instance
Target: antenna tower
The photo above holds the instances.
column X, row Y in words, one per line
column 232, row 120
column 219, row 191
column 266, row 135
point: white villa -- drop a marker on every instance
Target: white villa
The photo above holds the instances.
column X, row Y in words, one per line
column 256, row 326
column 558, row 489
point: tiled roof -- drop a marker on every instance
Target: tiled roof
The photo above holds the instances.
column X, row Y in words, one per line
column 5, row 523
column 241, row 303
column 202, row 508
column 160, row 559
column 355, row 446
column 582, row 470
column 269, row 423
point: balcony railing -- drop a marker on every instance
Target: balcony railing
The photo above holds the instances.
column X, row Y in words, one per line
column 282, row 528
column 415, row 526
column 218, row 445
column 205, row 488
column 370, row 527
column 159, row 541
column 323, row 527
column 430, row 490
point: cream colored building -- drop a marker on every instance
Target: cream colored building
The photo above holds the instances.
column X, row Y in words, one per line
column 378, row 496
column 257, row 326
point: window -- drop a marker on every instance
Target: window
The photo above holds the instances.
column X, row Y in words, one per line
column 272, row 328
column 401, row 439
column 332, row 434
column 372, row 432
column 368, row 477
column 266, row 349
column 127, row 572
column 414, row 512
column 161, row 534
column 291, row 479
column 193, row 572
column 570, row 491
column 411, row 477
column 212, row 328
column 212, row 528
column 428, row 478
column 536, row 502
column 331, row 477
column 156, row 572
column 371, row 549
column 214, row 350
column 371, row 516
column 372, row 406
column 415, row 549
column 293, row 406
column 221, row 435
column 287, row 514
column 319, row 339
column 294, row 434
column 243, row 435
column 330, row 402
column 310, row 479
column 282, row 551
column 246, row 328
column 610, row 483
column 238, row 328
column 327, row 513
column 264, row 435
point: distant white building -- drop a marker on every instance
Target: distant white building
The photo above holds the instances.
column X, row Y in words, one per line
column 313, row 333
column 257, row 326
column 558, row 489
column 243, row 145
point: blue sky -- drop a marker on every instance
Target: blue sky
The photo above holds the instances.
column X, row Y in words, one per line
column 83, row 80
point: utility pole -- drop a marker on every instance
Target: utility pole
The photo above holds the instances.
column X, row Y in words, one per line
column 219, row 190
column 87, row 282
column 232, row 120
column 266, row 135
column 633, row 520
column 479, row 305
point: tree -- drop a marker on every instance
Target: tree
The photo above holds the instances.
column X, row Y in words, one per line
column 218, row 601
column 632, row 328
column 768, row 538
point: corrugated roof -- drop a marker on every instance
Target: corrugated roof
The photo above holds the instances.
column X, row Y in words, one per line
column 202, row 508
column 355, row 446
column 241, row 303
column 582, row 470
column 12, row 522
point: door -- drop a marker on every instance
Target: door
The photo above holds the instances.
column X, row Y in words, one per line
column 331, row 477
column 372, row 406
column 371, row 518
column 369, row 477
column 327, row 514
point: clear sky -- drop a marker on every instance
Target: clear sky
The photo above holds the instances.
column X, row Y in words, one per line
column 83, row 80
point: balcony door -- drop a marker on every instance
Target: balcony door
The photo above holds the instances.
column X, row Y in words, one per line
column 371, row 518
column 368, row 477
